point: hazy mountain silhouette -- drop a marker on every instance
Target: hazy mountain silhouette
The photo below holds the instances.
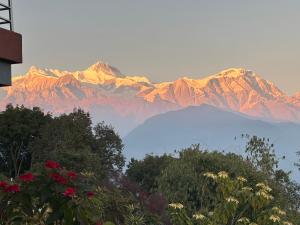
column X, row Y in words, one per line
column 212, row 128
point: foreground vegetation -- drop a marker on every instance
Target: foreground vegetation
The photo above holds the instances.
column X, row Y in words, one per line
column 64, row 170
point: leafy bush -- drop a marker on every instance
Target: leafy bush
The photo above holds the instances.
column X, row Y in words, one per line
column 238, row 204
column 179, row 178
column 52, row 195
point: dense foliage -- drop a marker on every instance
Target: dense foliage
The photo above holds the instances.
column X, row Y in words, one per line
column 181, row 178
column 94, row 189
column 28, row 137
column 147, row 170
column 236, row 204
column 19, row 127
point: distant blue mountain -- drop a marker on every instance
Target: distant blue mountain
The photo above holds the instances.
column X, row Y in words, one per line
column 213, row 129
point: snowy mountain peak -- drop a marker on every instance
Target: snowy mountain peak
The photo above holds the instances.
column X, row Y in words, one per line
column 235, row 72
column 101, row 67
column 33, row 68
column 138, row 79
column 35, row 71
column 102, row 87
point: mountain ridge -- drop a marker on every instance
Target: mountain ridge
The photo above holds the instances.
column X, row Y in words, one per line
column 136, row 98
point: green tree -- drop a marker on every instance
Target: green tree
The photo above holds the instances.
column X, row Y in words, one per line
column 261, row 154
column 237, row 204
column 66, row 139
column 19, row 126
column 181, row 180
column 297, row 164
column 71, row 140
column 108, row 146
column 145, row 171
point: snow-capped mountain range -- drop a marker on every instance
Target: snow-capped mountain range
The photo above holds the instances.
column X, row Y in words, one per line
column 126, row 101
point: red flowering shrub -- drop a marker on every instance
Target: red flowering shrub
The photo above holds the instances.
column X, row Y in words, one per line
column 50, row 196
column 69, row 192
column 52, row 164
column 3, row 184
column 72, row 175
column 27, row 177
column 14, row 188
column 59, row 178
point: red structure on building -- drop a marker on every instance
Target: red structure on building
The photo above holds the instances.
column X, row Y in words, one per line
column 10, row 43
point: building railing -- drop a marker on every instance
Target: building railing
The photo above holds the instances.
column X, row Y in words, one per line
column 6, row 14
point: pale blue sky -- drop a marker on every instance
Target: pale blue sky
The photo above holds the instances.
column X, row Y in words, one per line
column 164, row 39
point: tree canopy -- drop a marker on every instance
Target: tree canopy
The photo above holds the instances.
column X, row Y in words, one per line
column 29, row 136
column 19, row 127
column 181, row 178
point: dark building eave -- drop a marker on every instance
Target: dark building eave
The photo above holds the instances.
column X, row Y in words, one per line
column 10, row 53
column 10, row 46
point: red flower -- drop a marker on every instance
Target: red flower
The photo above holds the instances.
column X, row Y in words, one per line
column 27, row 177
column 12, row 188
column 52, row 164
column 59, row 178
column 72, row 175
column 90, row 194
column 69, row 192
column 3, row 184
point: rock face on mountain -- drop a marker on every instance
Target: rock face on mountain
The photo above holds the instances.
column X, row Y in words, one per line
column 126, row 101
column 296, row 99
column 101, row 89
column 236, row 89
